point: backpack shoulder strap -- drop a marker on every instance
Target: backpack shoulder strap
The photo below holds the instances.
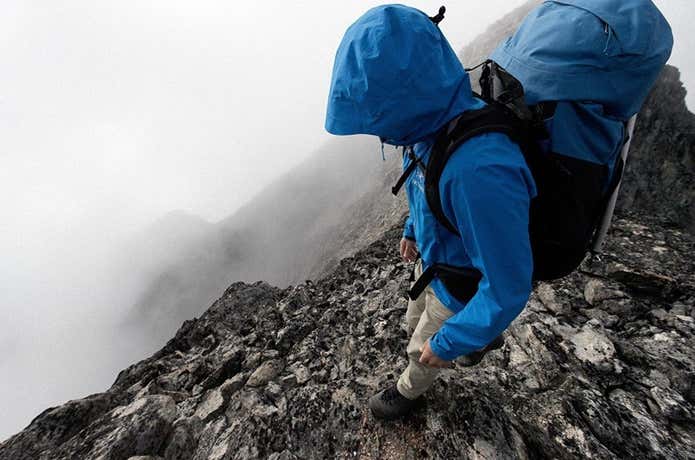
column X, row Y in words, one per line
column 491, row 118
column 414, row 163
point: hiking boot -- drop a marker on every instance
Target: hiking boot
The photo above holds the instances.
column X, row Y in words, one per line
column 474, row 358
column 389, row 404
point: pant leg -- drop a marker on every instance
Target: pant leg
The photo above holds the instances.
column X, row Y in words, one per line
column 417, row 378
column 417, row 306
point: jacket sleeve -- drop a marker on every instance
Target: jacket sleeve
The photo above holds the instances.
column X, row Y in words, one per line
column 409, row 229
column 490, row 208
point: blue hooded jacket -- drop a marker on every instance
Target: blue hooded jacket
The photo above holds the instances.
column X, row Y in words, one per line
column 395, row 76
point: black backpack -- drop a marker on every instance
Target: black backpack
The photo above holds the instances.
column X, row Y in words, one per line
column 572, row 197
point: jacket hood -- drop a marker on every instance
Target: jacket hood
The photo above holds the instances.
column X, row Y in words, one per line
column 395, row 76
column 605, row 51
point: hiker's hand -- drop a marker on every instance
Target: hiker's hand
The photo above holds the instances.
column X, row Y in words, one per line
column 429, row 359
column 408, row 250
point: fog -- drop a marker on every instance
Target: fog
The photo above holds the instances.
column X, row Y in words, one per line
column 114, row 114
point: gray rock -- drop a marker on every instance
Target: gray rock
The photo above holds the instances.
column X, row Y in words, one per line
column 232, row 385
column 603, row 317
column 288, row 380
column 265, row 373
column 302, row 374
column 284, row 455
column 617, row 386
column 596, row 292
column 208, row 438
column 273, row 390
column 212, row 404
column 546, row 294
column 592, row 346
column 182, row 442
column 140, row 428
column 660, row 314
column 671, row 404
column 680, row 309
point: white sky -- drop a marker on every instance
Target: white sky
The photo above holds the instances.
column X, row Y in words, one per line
column 114, row 113
column 115, row 110
column 121, row 109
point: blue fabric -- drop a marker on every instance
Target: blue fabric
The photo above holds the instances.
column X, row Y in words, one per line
column 409, row 229
column 602, row 51
column 582, row 130
column 396, row 77
column 486, row 189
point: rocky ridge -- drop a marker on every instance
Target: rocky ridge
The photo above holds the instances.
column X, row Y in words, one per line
column 660, row 174
column 599, row 365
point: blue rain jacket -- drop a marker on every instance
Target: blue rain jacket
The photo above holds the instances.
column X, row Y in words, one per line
column 395, row 76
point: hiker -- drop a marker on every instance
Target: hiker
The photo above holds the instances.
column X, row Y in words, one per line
column 395, row 76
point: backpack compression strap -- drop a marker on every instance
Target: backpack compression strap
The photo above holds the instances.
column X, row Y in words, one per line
column 492, row 118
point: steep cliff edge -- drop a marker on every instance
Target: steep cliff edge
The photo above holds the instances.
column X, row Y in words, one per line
column 598, row 365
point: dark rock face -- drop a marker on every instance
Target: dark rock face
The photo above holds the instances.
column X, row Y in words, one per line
column 660, row 176
column 600, row 364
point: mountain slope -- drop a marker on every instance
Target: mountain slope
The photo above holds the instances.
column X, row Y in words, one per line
column 302, row 225
column 598, row 365
column 479, row 48
column 339, row 200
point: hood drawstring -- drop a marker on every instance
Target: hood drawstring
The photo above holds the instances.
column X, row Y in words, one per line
column 383, row 156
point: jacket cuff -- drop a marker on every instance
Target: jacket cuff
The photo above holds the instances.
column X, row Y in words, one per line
column 440, row 348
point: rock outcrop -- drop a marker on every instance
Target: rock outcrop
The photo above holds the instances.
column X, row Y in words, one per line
column 660, row 174
column 599, row 365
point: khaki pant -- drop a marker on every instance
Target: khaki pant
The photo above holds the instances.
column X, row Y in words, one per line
column 424, row 317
